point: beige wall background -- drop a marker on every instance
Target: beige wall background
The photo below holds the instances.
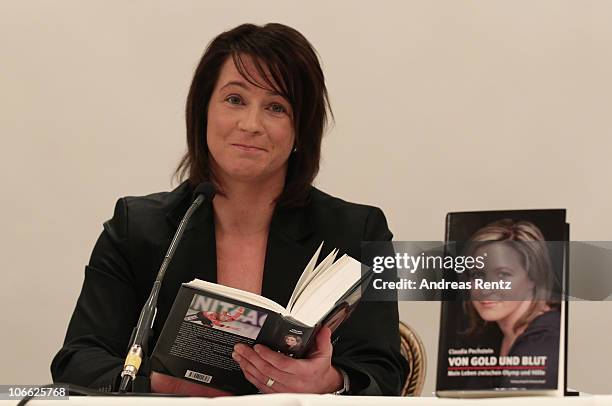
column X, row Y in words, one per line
column 440, row 106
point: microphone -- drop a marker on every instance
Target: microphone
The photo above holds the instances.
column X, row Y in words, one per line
column 133, row 360
column 206, row 189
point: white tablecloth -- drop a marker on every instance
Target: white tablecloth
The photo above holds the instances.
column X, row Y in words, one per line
column 321, row 400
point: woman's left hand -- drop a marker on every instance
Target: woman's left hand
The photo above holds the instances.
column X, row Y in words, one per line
column 272, row 372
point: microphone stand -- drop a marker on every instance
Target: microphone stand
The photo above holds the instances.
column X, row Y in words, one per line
column 140, row 336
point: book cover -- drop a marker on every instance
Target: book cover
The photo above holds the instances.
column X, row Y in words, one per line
column 504, row 334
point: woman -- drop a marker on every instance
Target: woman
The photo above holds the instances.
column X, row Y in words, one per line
column 256, row 112
column 527, row 315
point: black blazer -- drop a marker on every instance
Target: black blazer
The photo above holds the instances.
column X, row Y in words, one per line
column 130, row 249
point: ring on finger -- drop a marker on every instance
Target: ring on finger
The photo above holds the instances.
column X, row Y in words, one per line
column 269, row 382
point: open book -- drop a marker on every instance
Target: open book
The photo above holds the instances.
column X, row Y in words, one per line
column 207, row 320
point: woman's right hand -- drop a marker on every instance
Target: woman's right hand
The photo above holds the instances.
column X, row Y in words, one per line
column 161, row 383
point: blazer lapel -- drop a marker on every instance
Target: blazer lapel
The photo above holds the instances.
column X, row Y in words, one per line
column 290, row 247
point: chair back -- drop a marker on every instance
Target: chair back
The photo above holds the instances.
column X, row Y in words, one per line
column 413, row 350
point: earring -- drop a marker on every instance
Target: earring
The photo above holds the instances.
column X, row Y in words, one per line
column 294, row 148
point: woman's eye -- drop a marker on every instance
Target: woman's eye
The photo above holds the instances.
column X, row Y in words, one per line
column 277, row 108
column 504, row 275
column 233, row 100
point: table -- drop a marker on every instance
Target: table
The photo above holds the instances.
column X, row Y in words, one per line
column 321, row 400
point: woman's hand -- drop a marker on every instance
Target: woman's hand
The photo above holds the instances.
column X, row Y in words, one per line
column 314, row 374
column 161, row 383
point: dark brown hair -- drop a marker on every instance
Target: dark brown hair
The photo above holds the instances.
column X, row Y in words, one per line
column 289, row 65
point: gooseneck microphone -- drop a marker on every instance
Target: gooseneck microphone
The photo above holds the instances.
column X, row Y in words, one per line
column 133, row 360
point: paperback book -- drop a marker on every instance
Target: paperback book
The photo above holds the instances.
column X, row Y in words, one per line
column 207, row 320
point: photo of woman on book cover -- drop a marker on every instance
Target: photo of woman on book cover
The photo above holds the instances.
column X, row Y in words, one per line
column 292, row 344
column 524, row 320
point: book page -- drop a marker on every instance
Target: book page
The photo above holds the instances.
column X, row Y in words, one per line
column 324, row 291
column 305, row 277
column 309, row 278
column 237, row 294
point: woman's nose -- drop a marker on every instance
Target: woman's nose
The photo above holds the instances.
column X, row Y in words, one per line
column 250, row 121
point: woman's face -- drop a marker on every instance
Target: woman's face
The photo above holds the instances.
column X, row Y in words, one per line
column 250, row 131
column 502, row 263
column 290, row 341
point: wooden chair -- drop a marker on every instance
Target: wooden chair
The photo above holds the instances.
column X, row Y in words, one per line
column 413, row 350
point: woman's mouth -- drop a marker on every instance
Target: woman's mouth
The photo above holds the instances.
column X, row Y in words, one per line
column 487, row 303
column 248, row 148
